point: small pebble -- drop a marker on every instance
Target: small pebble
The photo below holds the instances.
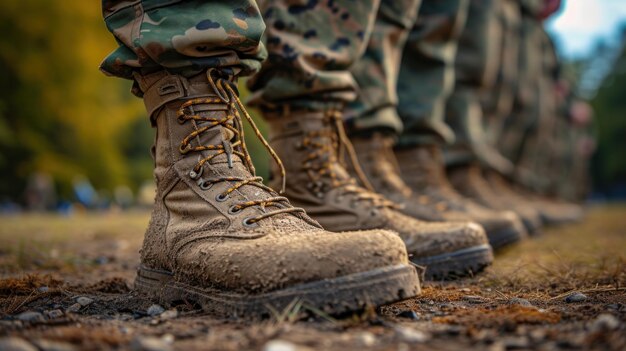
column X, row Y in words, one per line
column 168, row 338
column 412, row 336
column 279, row 345
column 605, row 322
column 520, row 301
column 155, row 310
column 576, row 297
column 409, row 314
column 366, row 339
column 30, row 316
column 614, row 306
column 84, row 301
column 15, row 344
column 102, row 260
column 465, row 290
column 43, row 289
column 54, row 314
column 149, row 344
column 169, row 314
column 74, row 308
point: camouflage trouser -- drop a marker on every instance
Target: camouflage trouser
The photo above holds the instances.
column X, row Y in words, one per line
column 427, row 71
column 311, row 45
column 316, row 65
column 476, row 68
column 539, row 153
column 498, row 102
column 376, row 73
column 184, row 36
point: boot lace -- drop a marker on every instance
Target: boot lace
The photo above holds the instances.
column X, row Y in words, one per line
column 236, row 146
column 324, row 156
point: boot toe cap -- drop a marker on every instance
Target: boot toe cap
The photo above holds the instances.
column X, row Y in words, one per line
column 279, row 261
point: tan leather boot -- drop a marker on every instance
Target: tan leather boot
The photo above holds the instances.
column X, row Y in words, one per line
column 516, row 201
column 469, row 181
column 422, row 169
column 221, row 238
column 312, row 145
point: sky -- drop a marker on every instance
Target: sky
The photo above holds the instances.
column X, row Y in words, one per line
column 581, row 22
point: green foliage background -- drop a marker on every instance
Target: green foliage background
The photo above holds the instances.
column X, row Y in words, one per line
column 58, row 113
column 609, row 164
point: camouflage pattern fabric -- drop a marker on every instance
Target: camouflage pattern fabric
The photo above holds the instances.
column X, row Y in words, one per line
column 312, row 44
column 520, row 125
column 498, row 102
column 427, row 71
column 376, row 73
column 476, row 68
column 184, row 36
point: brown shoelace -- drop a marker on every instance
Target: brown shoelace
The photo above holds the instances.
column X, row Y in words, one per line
column 233, row 122
column 323, row 156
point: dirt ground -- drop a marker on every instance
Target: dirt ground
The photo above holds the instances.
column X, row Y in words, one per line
column 65, row 285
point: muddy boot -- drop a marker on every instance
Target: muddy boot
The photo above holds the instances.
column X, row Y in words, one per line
column 553, row 211
column 220, row 238
column 422, row 170
column 312, row 145
column 469, row 181
column 556, row 212
column 520, row 205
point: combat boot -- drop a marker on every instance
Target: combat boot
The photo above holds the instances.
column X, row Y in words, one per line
column 516, row 201
column 220, row 238
column 313, row 145
column 422, row 169
column 469, row 181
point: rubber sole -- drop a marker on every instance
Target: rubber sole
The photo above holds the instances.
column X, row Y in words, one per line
column 457, row 264
column 335, row 296
column 504, row 237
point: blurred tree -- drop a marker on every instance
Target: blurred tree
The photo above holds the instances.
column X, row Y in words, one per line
column 58, row 114
column 609, row 163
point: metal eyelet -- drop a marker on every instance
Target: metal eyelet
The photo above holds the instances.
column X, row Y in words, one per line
column 221, row 197
column 185, row 150
column 195, row 175
column 234, row 210
column 246, row 223
column 205, row 185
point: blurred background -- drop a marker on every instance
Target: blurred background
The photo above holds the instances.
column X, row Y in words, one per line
column 72, row 138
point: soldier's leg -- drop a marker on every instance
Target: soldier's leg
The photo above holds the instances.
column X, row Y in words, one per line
column 476, row 69
column 311, row 47
column 427, row 73
column 183, row 37
column 376, row 73
column 302, row 90
column 216, row 231
column 427, row 81
column 497, row 102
